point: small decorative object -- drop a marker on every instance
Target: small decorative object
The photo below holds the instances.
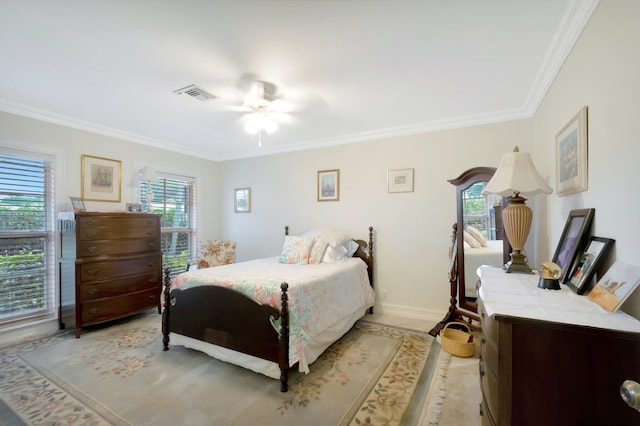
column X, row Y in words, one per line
column 242, row 200
column 517, row 175
column 571, row 156
column 572, row 240
column 329, row 185
column 148, row 175
column 456, row 341
column 587, row 264
column 78, row 204
column 101, row 178
column 615, row 286
column 400, row 180
column 134, row 207
column 549, row 274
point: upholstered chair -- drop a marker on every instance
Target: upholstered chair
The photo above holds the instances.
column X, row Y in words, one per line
column 214, row 253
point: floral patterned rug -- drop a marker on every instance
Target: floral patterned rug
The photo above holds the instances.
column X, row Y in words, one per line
column 119, row 375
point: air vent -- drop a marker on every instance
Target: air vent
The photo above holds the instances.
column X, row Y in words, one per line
column 195, row 92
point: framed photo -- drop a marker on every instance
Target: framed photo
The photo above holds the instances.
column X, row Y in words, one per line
column 615, row 286
column 101, row 179
column 329, row 185
column 242, row 200
column 78, row 204
column 134, row 207
column 400, row 180
column 572, row 240
column 587, row 264
column 571, row 156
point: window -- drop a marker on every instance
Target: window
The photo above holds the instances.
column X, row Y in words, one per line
column 27, row 243
column 174, row 197
column 477, row 210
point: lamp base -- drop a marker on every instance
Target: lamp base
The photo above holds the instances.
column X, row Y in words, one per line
column 518, row 264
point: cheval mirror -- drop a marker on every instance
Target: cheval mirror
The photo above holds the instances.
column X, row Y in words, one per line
column 477, row 239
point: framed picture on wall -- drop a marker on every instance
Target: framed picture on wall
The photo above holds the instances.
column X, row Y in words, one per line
column 329, row 185
column 101, row 179
column 571, row 156
column 587, row 264
column 242, row 200
column 400, row 180
column 572, row 240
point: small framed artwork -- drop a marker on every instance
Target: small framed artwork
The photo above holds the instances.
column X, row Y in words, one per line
column 101, row 179
column 615, row 286
column 572, row 156
column 329, row 185
column 242, row 200
column 587, row 264
column 572, row 240
column 400, row 180
column 78, row 204
column 134, row 207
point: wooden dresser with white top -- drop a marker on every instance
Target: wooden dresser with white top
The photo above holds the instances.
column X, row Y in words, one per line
column 110, row 267
column 551, row 357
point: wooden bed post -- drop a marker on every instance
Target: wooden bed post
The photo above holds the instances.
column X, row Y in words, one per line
column 167, row 309
column 284, row 338
column 371, row 261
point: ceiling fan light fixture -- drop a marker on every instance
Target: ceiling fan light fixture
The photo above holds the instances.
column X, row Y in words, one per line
column 258, row 122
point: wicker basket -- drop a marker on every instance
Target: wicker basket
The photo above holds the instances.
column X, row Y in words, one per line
column 457, row 342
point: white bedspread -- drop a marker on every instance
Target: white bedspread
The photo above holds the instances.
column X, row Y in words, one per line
column 320, row 295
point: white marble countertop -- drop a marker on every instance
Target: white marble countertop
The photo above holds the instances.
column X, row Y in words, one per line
column 518, row 295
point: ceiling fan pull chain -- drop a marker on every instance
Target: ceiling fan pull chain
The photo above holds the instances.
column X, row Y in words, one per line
column 260, row 138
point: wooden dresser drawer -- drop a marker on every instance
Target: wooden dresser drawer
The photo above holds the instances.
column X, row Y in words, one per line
column 106, row 228
column 108, row 270
column 489, row 386
column 100, row 290
column 116, row 307
column 123, row 246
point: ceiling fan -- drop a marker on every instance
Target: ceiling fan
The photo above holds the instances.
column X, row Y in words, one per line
column 260, row 103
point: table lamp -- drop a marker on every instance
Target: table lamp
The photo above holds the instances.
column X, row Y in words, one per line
column 517, row 175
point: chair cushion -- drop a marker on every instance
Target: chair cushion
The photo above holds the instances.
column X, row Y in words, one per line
column 215, row 253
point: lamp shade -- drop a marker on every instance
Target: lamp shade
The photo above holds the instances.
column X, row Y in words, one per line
column 516, row 173
column 149, row 174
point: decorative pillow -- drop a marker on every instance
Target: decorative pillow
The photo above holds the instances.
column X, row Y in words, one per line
column 296, row 250
column 477, row 235
column 351, row 247
column 334, row 237
column 317, row 250
column 216, row 253
column 334, row 254
column 468, row 238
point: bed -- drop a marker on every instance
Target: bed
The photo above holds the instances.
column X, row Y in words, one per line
column 271, row 314
column 474, row 257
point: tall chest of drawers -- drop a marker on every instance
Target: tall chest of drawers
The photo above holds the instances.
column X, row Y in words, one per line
column 110, row 267
column 551, row 357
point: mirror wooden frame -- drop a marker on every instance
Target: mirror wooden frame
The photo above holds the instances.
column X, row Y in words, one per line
column 460, row 308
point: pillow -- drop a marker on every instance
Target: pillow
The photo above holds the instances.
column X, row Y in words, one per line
column 351, row 247
column 317, row 250
column 296, row 250
column 477, row 235
column 334, row 254
column 468, row 238
column 334, row 237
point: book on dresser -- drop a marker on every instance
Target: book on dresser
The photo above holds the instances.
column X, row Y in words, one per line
column 110, row 267
column 552, row 357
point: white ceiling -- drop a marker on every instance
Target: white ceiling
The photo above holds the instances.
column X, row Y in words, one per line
column 360, row 69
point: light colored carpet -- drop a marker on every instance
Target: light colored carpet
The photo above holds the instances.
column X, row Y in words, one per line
column 119, row 375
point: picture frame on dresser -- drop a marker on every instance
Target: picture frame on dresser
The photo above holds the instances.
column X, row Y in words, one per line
column 572, row 241
column 587, row 264
column 615, row 286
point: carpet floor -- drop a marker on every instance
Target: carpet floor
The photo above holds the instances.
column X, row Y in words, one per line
column 119, row 375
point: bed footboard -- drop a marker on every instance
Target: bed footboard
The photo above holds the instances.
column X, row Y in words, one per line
column 228, row 318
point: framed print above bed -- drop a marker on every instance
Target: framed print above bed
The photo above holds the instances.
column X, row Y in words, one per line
column 329, row 185
column 571, row 156
column 101, row 179
column 572, row 240
column 587, row 264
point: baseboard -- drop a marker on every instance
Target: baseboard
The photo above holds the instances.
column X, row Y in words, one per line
column 410, row 312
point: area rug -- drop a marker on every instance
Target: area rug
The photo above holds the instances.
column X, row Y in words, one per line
column 119, row 375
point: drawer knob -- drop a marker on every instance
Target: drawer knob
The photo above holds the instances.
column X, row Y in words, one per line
column 91, row 234
column 92, row 222
column 92, row 291
column 93, row 271
column 92, row 249
column 481, row 369
column 150, row 264
column 151, row 296
column 482, row 339
column 151, row 244
column 94, row 310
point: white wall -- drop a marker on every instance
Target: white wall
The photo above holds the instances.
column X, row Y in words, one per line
column 412, row 230
column 601, row 72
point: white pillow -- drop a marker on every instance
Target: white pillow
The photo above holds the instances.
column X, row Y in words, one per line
column 468, row 238
column 334, row 237
column 477, row 235
column 334, row 254
column 351, row 247
column 296, row 250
